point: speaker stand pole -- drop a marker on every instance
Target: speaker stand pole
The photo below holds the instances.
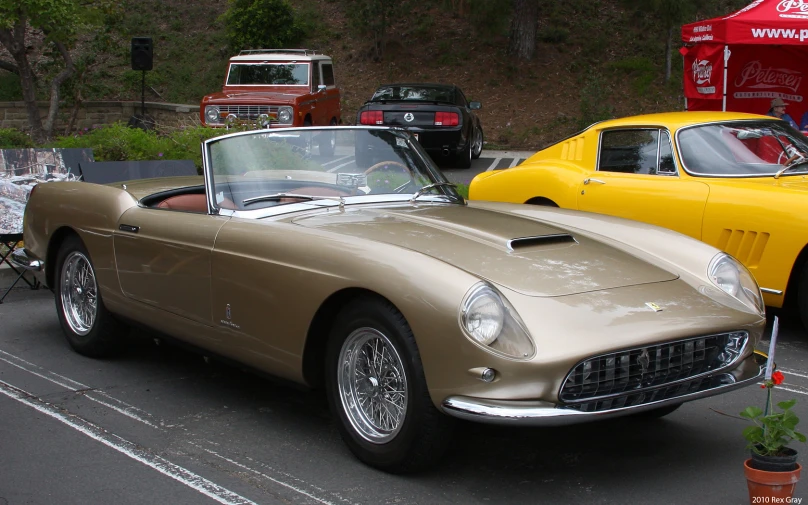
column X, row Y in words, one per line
column 143, row 95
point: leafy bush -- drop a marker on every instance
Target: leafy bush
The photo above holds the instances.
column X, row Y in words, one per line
column 638, row 67
column 14, row 139
column 118, row 142
column 261, row 24
column 594, row 102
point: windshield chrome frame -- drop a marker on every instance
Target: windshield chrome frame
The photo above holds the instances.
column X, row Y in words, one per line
column 725, row 122
column 326, row 202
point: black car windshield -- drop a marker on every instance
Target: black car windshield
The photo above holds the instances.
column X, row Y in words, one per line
column 742, row 149
column 413, row 93
column 263, row 168
column 264, row 74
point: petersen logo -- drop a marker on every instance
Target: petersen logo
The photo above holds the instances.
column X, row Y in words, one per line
column 702, row 71
column 755, row 76
column 793, row 7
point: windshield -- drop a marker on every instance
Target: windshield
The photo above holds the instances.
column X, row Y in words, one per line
column 262, row 74
column 261, row 168
column 742, row 149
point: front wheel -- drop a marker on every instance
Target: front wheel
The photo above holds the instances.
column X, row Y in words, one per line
column 377, row 390
column 89, row 328
column 802, row 296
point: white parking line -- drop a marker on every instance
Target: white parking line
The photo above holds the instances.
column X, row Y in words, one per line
column 493, row 165
column 127, row 448
column 514, row 162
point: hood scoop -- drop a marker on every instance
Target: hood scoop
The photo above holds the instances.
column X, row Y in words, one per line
column 540, row 240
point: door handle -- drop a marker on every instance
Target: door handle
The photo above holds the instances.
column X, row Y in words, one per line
column 588, row 180
column 129, row 228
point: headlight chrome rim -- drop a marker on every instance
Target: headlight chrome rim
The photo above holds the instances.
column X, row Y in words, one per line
column 733, row 278
column 511, row 338
column 212, row 114
column 285, row 115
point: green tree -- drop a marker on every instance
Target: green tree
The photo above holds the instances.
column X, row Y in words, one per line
column 374, row 17
column 259, row 24
column 52, row 25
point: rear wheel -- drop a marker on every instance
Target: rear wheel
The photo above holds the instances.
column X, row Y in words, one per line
column 802, row 296
column 328, row 141
column 377, row 390
column 89, row 328
column 463, row 158
column 477, row 143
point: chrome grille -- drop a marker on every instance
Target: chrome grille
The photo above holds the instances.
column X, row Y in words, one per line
column 657, row 367
column 250, row 112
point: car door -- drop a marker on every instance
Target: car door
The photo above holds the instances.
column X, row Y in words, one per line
column 163, row 259
column 637, row 178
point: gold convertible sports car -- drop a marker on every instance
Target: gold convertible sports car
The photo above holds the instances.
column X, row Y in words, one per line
column 735, row 181
column 379, row 283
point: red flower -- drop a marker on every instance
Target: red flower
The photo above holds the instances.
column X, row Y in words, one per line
column 777, row 377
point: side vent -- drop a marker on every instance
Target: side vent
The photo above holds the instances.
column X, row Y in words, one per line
column 523, row 242
column 747, row 246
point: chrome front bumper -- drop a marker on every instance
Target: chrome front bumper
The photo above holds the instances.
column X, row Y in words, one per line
column 540, row 413
column 22, row 259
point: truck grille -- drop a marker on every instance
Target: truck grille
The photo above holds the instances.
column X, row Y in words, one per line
column 651, row 373
column 250, row 112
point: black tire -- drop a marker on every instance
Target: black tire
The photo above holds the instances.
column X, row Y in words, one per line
column 658, row 412
column 463, row 158
column 414, row 442
column 477, row 144
column 327, row 141
column 89, row 327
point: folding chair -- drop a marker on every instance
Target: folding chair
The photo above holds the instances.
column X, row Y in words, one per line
column 11, row 240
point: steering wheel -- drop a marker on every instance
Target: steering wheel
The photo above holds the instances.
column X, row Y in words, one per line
column 387, row 163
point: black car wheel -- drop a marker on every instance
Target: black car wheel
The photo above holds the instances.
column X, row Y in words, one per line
column 377, row 390
column 463, row 159
column 89, row 328
column 477, row 143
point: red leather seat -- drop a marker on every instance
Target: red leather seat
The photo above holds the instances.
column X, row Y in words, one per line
column 187, row 203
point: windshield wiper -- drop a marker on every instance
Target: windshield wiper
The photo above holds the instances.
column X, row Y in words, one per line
column 799, row 161
column 277, row 196
column 426, row 188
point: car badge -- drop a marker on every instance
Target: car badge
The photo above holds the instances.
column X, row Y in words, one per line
column 653, row 306
column 408, row 117
column 644, row 360
column 227, row 312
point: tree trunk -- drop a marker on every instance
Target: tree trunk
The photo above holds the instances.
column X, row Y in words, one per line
column 13, row 40
column 56, row 88
column 668, row 51
column 522, row 43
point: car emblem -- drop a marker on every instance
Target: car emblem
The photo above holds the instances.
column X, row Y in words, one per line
column 408, row 117
column 227, row 312
column 653, row 306
column 644, row 360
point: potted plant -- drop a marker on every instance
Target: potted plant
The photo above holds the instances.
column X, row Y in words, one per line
column 772, row 471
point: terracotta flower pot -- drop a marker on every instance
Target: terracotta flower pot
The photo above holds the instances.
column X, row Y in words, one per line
column 764, row 486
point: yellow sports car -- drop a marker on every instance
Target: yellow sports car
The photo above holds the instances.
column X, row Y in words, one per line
column 736, row 181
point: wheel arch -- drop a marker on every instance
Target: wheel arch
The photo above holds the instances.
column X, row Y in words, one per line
column 540, row 200
column 319, row 329
column 792, row 287
column 57, row 238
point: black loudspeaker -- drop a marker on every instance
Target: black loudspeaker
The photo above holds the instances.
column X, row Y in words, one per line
column 142, row 53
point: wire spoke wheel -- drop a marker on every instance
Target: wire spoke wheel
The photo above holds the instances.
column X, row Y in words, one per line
column 372, row 385
column 79, row 293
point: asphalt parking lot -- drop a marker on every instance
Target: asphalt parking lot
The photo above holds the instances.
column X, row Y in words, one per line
column 162, row 425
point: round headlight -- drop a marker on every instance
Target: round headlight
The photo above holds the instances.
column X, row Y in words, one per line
column 285, row 115
column 734, row 279
column 212, row 114
column 483, row 315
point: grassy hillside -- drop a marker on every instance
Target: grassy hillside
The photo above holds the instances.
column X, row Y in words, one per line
column 595, row 59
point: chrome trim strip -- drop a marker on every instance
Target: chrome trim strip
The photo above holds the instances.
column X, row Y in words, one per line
column 772, row 291
column 22, row 259
column 538, row 413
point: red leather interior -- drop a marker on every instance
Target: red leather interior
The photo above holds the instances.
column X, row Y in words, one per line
column 188, row 203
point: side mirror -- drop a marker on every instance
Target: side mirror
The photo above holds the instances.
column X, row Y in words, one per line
column 321, row 88
column 475, row 105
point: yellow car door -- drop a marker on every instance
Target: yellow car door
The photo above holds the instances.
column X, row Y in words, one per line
column 637, row 178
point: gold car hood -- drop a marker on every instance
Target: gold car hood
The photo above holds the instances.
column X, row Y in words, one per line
column 526, row 255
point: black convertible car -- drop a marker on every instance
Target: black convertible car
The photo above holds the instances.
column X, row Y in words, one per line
column 439, row 116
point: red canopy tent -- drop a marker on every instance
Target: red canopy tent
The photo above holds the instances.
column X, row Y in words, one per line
column 741, row 61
